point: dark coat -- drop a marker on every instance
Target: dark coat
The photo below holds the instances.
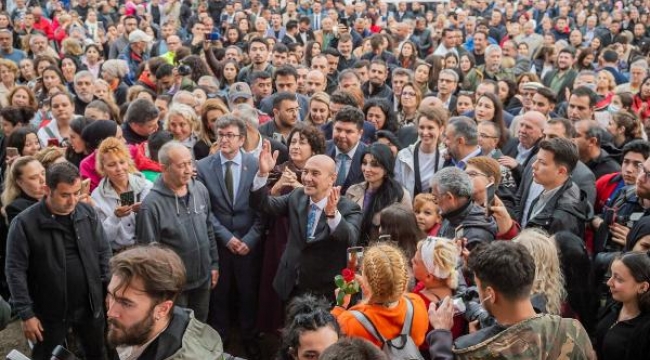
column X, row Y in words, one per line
column 567, row 82
column 355, row 175
column 604, row 164
column 36, row 256
column 310, row 266
column 567, row 210
column 477, row 228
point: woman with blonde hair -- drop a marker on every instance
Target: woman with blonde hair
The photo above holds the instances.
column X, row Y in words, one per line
column 605, row 88
column 23, row 186
column 8, row 76
column 114, row 164
column 319, row 109
column 434, row 269
column 383, row 282
column 103, row 90
column 182, row 122
column 548, row 291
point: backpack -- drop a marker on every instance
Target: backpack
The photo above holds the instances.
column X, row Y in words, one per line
column 401, row 347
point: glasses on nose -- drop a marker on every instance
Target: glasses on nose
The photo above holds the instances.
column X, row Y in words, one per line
column 408, row 94
column 229, row 136
column 643, row 173
column 293, row 110
column 528, row 94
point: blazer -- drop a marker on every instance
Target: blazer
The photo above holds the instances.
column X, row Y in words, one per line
column 309, row 266
column 231, row 219
column 355, row 175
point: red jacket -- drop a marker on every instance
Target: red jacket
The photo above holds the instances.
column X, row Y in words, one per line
column 605, row 186
column 45, row 26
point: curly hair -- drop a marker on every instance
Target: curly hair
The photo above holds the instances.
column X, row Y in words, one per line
column 113, row 146
column 549, row 280
column 313, row 135
column 187, row 113
column 445, row 257
column 384, row 269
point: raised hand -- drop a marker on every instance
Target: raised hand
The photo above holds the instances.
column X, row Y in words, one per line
column 267, row 160
column 333, row 201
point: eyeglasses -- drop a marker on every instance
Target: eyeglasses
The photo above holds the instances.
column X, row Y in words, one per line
column 644, row 173
column 228, row 136
column 528, row 93
column 486, row 136
column 473, row 174
column 293, row 110
column 408, row 94
column 466, row 93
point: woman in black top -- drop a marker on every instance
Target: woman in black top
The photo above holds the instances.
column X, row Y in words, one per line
column 24, row 186
column 623, row 331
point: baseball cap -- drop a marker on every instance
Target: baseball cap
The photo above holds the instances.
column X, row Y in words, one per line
column 532, row 86
column 239, row 90
column 138, row 36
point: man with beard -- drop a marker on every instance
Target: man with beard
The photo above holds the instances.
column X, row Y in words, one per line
column 258, row 51
column 563, row 76
column 315, row 82
column 461, row 140
column 143, row 319
column 285, row 117
column 85, row 89
column 504, row 273
column 589, row 137
column 376, row 85
column 57, row 260
column 346, row 147
column 491, row 70
column 177, row 213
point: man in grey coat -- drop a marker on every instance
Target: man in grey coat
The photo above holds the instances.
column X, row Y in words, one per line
column 177, row 213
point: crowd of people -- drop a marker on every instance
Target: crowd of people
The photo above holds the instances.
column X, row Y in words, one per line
column 182, row 179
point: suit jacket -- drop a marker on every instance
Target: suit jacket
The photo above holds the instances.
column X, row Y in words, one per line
column 310, row 37
column 355, row 175
column 231, row 219
column 311, row 266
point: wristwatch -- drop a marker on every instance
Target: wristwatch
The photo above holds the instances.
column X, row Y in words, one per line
column 331, row 216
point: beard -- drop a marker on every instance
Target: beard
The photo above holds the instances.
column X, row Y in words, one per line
column 137, row 334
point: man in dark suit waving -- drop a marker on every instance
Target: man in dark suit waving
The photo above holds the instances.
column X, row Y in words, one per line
column 322, row 225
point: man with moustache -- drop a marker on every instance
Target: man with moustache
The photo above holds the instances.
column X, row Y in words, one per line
column 143, row 319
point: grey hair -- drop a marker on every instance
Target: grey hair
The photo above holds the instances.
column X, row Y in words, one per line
column 465, row 127
column 84, row 74
column 116, row 68
column 181, row 93
column 247, row 113
column 33, row 38
column 641, row 64
column 239, row 50
column 213, row 80
column 587, row 73
column 451, row 73
column 452, row 180
column 491, row 48
column 163, row 153
column 187, row 113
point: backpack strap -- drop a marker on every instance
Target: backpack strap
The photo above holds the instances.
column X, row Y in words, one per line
column 368, row 325
column 49, row 132
column 408, row 320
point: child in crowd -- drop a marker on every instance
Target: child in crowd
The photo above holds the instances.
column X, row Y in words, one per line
column 427, row 214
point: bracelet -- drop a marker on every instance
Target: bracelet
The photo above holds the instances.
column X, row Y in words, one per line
column 332, row 216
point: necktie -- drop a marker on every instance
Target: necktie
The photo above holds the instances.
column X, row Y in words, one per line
column 229, row 181
column 317, row 22
column 311, row 222
column 343, row 168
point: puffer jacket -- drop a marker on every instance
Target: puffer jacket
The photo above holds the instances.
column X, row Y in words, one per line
column 120, row 231
column 476, row 226
column 183, row 226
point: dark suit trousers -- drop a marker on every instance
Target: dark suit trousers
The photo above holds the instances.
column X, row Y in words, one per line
column 88, row 331
column 238, row 281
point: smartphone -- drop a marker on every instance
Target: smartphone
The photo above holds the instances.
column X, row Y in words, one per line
column 85, row 187
column 355, row 258
column 214, row 36
column 489, row 198
column 12, row 152
column 127, row 198
column 53, row 142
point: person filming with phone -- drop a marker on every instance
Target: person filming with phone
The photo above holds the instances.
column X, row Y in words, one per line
column 452, row 187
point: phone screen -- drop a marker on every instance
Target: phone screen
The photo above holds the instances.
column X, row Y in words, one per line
column 489, row 198
column 127, row 198
column 53, row 142
column 355, row 258
column 12, row 152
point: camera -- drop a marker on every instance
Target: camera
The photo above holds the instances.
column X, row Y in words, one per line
column 184, row 70
column 474, row 310
column 611, row 217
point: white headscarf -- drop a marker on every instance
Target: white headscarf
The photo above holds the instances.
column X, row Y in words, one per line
column 427, row 253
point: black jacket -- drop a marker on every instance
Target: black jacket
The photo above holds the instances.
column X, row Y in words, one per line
column 476, row 226
column 604, row 164
column 19, row 205
column 36, row 261
column 567, row 210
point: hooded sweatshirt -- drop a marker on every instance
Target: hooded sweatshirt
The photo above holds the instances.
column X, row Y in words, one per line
column 183, row 224
column 120, row 231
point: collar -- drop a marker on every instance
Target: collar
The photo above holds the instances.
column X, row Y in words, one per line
column 320, row 205
column 237, row 160
column 349, row 153
column 475, row 153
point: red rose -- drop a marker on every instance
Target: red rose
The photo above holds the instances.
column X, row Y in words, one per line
column 348, row 275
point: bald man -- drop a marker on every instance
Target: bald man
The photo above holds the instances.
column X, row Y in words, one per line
column 322, row 225
column 315, row 82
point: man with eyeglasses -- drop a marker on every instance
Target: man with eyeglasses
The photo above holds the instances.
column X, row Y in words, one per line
column 228, row 175
column 447, row 84
column 177, row 214
column 617, row 200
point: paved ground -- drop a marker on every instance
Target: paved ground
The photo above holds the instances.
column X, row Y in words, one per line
column 12, row 338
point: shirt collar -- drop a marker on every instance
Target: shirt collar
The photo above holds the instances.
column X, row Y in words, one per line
column 236, row 160
column 349, row 153
column 320, row 205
